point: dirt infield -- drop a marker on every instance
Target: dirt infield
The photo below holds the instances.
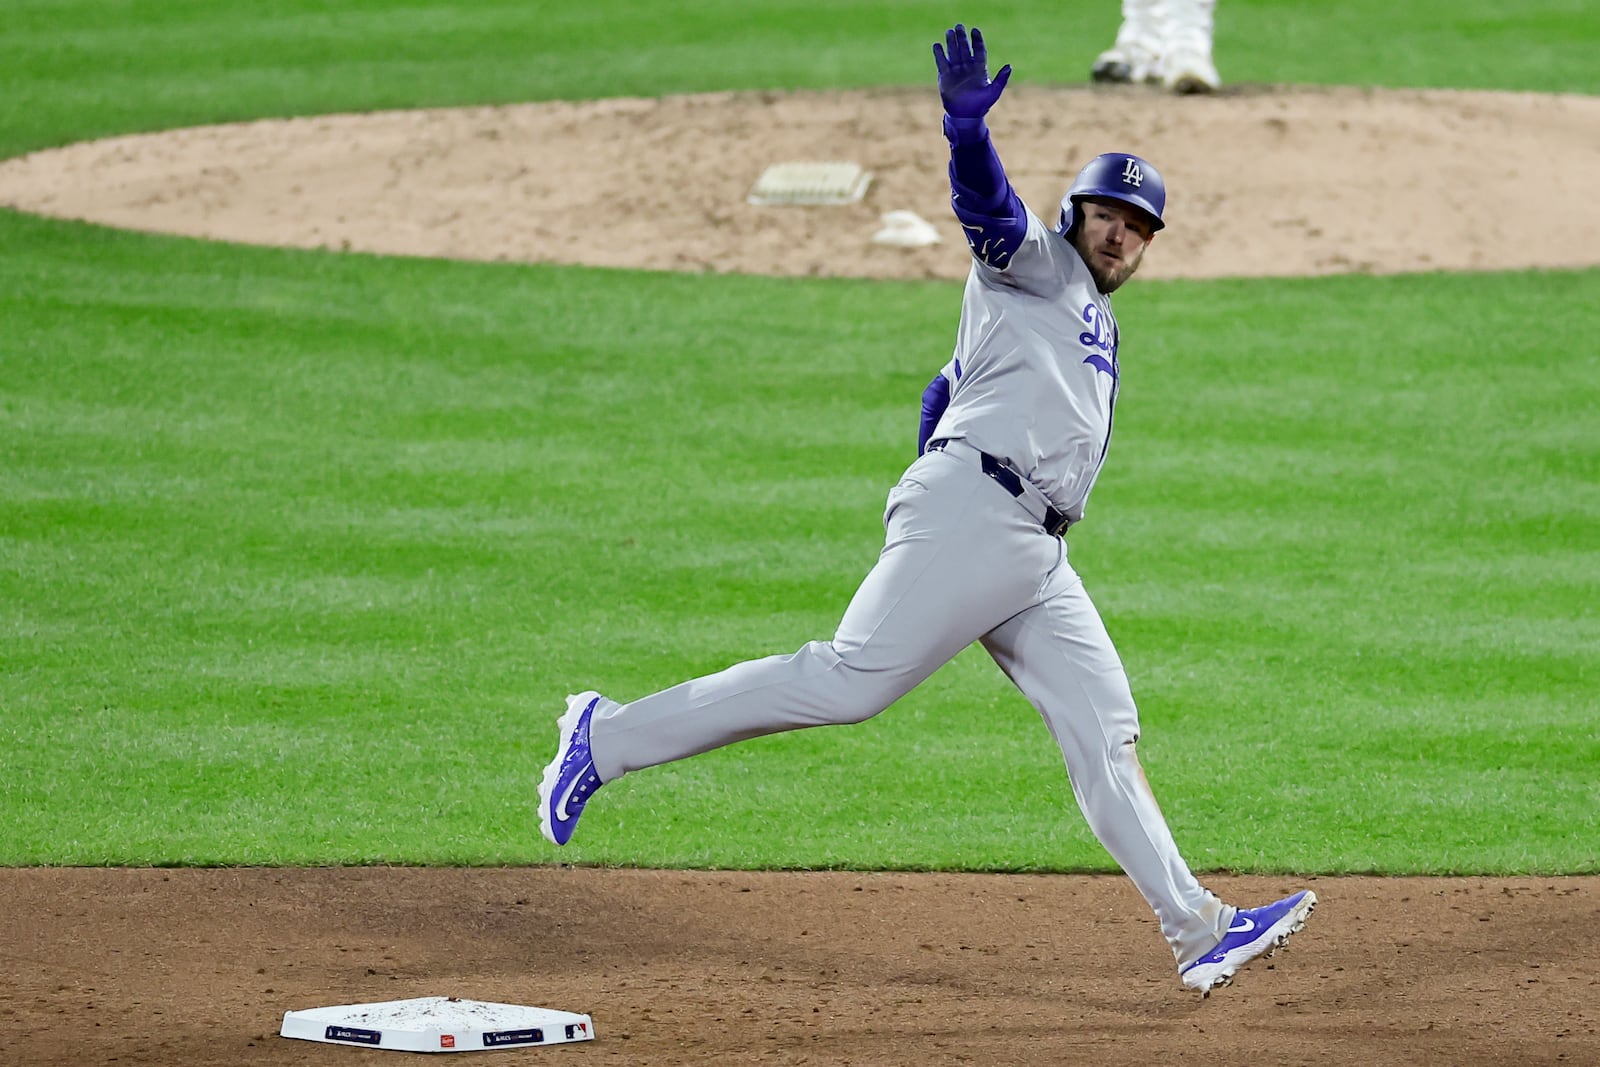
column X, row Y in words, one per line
column 192, row 967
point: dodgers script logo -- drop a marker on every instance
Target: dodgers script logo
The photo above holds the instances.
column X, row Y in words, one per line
column 1132, row 173
column 1102, row 336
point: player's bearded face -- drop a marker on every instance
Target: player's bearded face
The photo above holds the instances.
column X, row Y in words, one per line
column 1111, row 239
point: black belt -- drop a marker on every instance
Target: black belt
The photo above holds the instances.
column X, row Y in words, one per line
column 1055, row 521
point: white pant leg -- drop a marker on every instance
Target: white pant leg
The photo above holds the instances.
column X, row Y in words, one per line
column 1187, row 25
column 1138, row 44
column 1186, row 64
column 1141, row 22
column 960, row 557
column 1059, row 655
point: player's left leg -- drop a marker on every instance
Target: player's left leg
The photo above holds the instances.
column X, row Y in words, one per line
column 1059, row 655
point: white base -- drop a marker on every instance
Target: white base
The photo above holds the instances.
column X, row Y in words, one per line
column 810, row 183
column 437, row 1024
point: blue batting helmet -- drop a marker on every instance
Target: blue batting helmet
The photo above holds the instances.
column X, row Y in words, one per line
column 1117, row 176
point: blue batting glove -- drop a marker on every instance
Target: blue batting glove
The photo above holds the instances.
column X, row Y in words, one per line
column 964, row 84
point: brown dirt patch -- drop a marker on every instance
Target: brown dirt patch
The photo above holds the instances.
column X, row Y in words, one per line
column 1264, row 182
column 189, row 967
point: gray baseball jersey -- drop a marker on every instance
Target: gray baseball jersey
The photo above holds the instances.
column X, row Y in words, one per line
column 1033, row 380
column 1012, row 436
column 1010, row 442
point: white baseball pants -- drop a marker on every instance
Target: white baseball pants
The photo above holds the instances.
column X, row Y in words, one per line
column 963, row 561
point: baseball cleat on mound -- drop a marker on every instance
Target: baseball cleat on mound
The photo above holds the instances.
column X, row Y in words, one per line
column 1256, row 933
column 1189, row 72
column 1125, row 65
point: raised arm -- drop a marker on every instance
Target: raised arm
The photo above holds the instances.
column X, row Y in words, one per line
column 981, row 195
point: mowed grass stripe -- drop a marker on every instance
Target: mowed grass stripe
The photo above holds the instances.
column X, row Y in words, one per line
column 304, row 549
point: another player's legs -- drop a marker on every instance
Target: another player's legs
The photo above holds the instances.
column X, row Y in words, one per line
column 950, row 570
column 1137, row 51
column 1059, row 655
column 1167, row 42
column 1186, row 64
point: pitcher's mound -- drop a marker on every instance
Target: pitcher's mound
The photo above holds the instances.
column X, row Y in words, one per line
column 1262, row 181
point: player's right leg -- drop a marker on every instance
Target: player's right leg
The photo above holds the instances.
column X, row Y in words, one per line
column 1135, row 56
column 947, row 574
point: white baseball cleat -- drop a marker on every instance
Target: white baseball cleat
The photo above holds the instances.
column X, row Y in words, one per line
column 1135, row 55
column 1256, row 933
column 1189, row 71
column 1126, row 63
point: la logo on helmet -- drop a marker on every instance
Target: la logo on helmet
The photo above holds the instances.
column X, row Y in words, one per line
column 1131, row 174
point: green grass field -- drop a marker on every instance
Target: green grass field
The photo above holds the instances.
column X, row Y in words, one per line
column 299, row 552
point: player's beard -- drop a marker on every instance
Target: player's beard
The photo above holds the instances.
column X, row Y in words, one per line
column 1107, row 278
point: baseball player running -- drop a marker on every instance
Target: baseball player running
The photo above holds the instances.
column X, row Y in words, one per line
column 1013, row 433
